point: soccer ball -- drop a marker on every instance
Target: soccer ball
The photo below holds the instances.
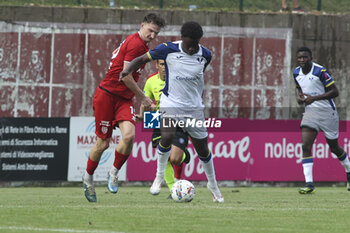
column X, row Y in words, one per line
column 183, row 191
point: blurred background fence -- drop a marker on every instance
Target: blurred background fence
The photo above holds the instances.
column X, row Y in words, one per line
column 329, row 6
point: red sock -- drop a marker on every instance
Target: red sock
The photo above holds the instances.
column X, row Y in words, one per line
column 119, row 160
column 91, row 166
column 177, row 171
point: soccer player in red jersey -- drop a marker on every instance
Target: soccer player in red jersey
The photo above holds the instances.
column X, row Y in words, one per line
column 113, row 105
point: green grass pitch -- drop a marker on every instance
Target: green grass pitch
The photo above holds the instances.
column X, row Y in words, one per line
column 133, row 209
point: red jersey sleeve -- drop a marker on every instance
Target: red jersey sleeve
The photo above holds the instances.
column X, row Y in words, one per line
column 131, row 48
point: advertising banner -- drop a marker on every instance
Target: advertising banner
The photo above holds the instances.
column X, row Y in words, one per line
column 33, row 149
column 82, row 138
column 259, row 150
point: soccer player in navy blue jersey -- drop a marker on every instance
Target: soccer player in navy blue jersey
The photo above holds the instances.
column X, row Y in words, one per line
column 315, row 88
column 185, row 62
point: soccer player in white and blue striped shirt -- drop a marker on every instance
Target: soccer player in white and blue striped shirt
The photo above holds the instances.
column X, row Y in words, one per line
column 316, row 89
column 185, row 62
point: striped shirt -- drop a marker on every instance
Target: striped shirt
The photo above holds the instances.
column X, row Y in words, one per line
column 315, row 83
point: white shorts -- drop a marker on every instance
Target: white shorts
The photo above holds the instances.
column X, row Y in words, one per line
column 321, row 119
column 187, row 120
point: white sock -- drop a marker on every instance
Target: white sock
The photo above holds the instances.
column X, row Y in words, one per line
column 114, row 171
column 162, row 160
column 307, row 168
column 88, row 179
column 209, row 170
column 346, row 164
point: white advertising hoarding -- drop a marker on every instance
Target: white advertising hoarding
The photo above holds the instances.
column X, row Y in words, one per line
column 82, row 137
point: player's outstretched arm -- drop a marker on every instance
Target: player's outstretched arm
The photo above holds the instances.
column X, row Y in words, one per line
column 134, row 65
column 132, row 85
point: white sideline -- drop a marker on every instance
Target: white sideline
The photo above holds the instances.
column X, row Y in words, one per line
column 213, row 206
column 53, row 229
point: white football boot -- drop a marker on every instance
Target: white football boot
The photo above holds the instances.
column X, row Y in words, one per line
column 215, row 192
column 156, row 186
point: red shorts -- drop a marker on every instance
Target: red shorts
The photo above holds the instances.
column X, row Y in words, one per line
column 109, row 110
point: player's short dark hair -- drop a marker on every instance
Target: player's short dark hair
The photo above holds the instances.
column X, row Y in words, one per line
column 192, row 30
column 154, row 18
column 305, row 49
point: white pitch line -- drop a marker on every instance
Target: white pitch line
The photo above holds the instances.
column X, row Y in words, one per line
column 14, row 228
column 214, row 206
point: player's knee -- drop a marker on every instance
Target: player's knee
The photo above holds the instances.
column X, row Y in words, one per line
column 128, row 138
column 102, row 145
